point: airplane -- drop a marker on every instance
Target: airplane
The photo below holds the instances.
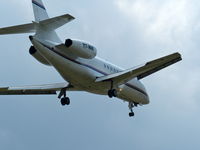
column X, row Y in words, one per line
column 77, row 62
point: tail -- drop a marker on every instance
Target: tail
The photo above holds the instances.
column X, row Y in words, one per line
column 39, row 10
column 43, row 26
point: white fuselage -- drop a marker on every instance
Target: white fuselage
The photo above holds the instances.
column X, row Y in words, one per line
column 82, row 73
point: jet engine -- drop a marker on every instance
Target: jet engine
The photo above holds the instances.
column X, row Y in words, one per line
column 81, row 49
column 38, row 56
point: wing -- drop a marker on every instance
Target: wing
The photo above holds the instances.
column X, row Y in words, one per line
column 47, row 89
column 143, row 71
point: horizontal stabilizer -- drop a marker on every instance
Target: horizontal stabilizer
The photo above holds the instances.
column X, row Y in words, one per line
column 36, row 89
column 56, row 22
column 48, row 24
column 141, row 72
column 25, row 28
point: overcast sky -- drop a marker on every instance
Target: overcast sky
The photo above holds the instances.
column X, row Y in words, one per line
column 126, row 33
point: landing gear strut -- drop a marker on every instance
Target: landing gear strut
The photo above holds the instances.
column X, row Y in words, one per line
column 131, row 105
column 65, row 100
column 112, row 92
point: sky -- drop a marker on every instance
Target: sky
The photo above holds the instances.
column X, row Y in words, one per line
column 126, row 33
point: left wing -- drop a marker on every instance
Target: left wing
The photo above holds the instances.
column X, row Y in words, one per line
column 37, row 89
column 143, row 71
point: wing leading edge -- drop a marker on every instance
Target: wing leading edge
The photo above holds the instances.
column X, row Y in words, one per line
column 47, row 89
column 143, row 71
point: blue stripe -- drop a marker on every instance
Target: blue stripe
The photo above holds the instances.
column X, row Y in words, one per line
column 95, row 69
column 38, row 4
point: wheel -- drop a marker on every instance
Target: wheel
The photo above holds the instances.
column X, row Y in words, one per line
column 110, row 94
column 65, row 101
column 131, row 114
column 114, row 93
column 62, row 101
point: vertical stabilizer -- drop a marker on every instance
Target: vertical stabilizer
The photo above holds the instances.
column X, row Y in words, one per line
column 39, row 10
column 40, row 14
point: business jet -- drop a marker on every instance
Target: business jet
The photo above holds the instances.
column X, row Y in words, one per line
column 77, row 62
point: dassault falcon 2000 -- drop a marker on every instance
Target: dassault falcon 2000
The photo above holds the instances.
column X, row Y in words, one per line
column 77, row 63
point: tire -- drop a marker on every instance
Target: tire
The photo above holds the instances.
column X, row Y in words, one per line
column 110, row 94
column 62, row 101
column 131, row 114
column 65, row 101
column 114, row 93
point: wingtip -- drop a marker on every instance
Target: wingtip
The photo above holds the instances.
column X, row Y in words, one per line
column 71, row 17
column 179, row 55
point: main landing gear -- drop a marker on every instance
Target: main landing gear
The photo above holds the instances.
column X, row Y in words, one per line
column 131, row 105
column 64, row 100
column 112, row 92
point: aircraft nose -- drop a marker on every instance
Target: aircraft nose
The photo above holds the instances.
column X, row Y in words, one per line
column 147, row 99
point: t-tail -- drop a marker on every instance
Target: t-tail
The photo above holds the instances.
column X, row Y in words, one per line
column 43, row 26
column 39, row 10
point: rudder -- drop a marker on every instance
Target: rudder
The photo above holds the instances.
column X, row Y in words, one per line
column 39, row 10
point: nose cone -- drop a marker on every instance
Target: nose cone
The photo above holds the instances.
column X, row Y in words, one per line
column 147, row 99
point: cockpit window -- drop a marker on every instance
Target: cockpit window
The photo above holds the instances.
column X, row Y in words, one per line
column 91, row 47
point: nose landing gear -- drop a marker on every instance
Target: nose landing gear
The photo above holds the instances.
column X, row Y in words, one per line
column 131, row 105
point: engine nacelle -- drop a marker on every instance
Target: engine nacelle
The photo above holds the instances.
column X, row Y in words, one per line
column 81, row 49
column 38, row 56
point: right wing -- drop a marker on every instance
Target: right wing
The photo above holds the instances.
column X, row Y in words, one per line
column 47, row 89
column 141, row 72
